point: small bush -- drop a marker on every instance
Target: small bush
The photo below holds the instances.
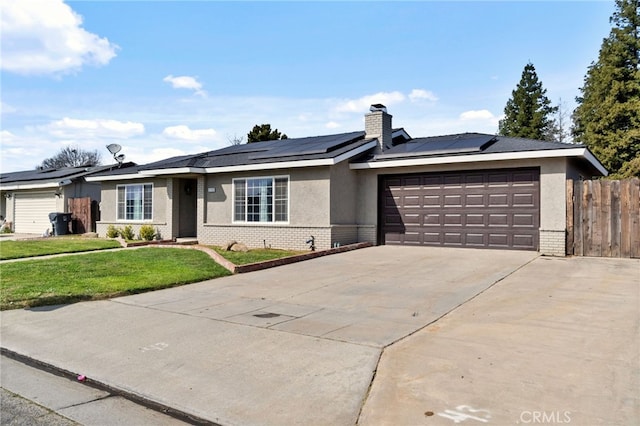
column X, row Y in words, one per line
column 147, row 232
column 127, row 233
column 112, row 232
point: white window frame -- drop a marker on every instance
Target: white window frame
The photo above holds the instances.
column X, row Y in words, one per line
column 129, row 185
column 273, row 181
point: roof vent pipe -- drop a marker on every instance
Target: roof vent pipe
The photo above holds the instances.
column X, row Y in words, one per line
column 377, row 125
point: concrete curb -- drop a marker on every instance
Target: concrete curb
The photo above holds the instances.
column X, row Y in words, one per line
column 137, row 399
column 298, row 258
column 251, row 267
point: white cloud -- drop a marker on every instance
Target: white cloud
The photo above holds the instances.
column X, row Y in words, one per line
column 162, row 154
column 185, row 82
column 362, row 104
column 6, row 108
column 332, row 125
column 6, row 135
column 25, row 152
column 75, row 128
column 183, row 132
column 481, row 114
column 46, row 37
column 420, row 94
column 481, row 118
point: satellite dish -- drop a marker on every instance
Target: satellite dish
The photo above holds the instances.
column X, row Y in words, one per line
column 114, row 148
column 119, row 158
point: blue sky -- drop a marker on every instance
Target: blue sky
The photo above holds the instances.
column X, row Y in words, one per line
column 170, row 78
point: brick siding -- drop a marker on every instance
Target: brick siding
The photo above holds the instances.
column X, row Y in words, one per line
column 553, row 242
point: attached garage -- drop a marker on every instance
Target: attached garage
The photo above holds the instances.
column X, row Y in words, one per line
column 482, row 209
column 32, row 211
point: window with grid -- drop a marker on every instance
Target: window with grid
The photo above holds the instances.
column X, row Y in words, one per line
column 261, row 199
column 135, row 202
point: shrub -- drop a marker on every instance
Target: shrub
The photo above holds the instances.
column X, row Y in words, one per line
column 127, row 233
column 112, row 232
column 147, row 232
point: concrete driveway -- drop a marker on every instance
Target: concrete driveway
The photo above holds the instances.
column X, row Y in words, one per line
column 299, row 344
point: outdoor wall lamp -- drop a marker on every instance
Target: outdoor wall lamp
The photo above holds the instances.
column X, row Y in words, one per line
column 8, row 195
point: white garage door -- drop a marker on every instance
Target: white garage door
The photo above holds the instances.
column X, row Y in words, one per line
column 32, row 212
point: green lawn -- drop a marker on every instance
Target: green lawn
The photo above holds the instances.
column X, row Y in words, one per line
column 254, row 255
column 96, row 276
column 52, row 245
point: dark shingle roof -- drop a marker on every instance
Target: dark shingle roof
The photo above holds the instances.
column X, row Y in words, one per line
column 311, row 148
column 465, row 144
column 49, row 175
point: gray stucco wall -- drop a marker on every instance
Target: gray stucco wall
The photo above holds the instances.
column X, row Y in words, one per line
column 553, row 175
column 162, row 207
column 309, row 211
column 343, row 187
column 308, row 196
column 83, row 189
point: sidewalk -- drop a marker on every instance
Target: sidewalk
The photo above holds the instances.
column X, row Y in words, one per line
column 48, row 399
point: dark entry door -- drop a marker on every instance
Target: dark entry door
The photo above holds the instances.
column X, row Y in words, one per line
column 187, row 208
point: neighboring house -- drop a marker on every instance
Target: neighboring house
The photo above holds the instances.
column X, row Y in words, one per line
column 377, row 185
column 28, row 197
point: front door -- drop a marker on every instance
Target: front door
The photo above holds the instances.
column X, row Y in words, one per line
column 187, row 207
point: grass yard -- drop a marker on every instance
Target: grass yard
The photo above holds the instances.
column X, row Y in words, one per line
column 95, row 276
column 52, row 245
column 254, row 255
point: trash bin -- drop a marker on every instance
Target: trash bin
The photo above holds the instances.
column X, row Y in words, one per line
column 60, row 222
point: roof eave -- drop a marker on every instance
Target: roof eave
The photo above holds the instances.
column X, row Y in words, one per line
column 173, row 171
column 472, row 158
column 114, row 177
column 18, row 186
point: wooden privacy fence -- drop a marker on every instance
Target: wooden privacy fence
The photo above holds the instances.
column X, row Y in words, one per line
column 82, row 213
column 603, row 218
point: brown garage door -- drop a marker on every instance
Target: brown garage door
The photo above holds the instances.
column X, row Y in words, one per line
column 485, row 209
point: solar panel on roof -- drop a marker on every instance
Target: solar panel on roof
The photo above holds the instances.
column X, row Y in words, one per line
column 243, row 148
column 454, row 145
column 308, row 146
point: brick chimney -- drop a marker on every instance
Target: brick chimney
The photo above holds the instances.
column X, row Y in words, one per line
column 377, row 125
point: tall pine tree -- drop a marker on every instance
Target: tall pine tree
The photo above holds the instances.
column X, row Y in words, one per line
column 607, row 118
column 528, row 112
column 263, row 133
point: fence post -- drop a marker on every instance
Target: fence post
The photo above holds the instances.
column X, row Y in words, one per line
column 569, row 249
column 615, row 216
column 634, row 203
column 604, row 224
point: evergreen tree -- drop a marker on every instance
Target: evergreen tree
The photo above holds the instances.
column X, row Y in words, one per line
column 607, row 118
column 527, row 113
column 264, row 133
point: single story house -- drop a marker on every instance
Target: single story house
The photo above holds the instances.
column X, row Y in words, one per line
column 377, row 185
column 27, row 197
